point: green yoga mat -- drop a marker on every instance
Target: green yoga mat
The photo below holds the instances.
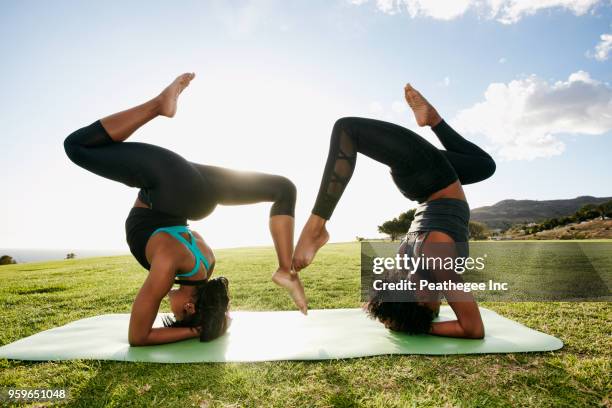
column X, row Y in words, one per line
column 270, row 336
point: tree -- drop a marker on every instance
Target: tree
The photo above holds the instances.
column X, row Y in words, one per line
column 478, row 230
column 605, row 209
column 71, row 255
column 588, row 212
column 7, row 260
column 397, row 226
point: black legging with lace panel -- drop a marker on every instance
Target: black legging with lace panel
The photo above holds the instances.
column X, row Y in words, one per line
column 418, row 168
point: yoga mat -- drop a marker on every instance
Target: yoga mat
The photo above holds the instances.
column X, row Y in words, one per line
column 270, row 336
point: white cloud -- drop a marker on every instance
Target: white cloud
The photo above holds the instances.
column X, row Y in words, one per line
column 511, row 11
column 504, row 11
column 602, row 49
column 523, row 118
column 442, row 10
column 502, row 60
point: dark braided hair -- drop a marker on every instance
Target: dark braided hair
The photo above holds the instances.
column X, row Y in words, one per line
column 211, row 305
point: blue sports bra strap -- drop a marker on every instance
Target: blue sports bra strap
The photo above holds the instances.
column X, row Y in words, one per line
column 196, row 251
column 197, row 254
column 193, row 271
column 183, row 240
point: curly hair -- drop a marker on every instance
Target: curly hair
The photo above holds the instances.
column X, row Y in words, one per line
column 211, row 306
column 405, row 315
column 408, row 317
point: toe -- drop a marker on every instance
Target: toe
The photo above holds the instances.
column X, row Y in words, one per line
column 409, row 95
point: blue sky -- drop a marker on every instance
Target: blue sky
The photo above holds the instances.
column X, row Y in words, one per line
column 529, row 82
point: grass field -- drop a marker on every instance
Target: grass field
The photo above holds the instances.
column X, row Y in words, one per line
column 38, row 296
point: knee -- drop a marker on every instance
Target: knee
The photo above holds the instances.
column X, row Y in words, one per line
column 344, row 124
column 287, row 190
column 71, row 148
column 342, row 128
column 489, row 168
column 286, row 194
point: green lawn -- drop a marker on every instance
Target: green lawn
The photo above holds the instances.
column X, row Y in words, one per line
column 39, row 296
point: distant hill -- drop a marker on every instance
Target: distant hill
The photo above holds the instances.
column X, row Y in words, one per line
column 591, row 229
column 509, row 212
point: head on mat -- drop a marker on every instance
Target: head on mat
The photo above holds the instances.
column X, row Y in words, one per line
column 203, row 307
column 407, row 317
column 410, row 312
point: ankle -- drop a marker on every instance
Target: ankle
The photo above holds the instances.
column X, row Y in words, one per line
column 436, row 120
column 284, row 269
column 156, row 105
column 315, row 224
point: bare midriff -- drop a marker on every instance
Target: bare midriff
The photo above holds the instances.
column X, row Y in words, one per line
column 454, row 190
column 140, row 204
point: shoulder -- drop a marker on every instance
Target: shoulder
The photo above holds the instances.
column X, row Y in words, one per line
column 206, row 250
column 167, row 253
column 197, row 235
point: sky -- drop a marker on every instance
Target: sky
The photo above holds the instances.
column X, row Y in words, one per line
column 529, row 81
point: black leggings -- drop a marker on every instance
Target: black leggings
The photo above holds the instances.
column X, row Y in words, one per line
column 418, row 168
column 171, row 184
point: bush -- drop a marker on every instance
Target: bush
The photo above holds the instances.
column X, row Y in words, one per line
column 585, row 213
column 478, row 230
column 7, row 260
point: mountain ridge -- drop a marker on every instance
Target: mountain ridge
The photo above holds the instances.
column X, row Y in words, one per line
column 508, row 212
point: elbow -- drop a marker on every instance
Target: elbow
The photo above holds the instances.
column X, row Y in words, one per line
column 476, row 332
column 136, row 341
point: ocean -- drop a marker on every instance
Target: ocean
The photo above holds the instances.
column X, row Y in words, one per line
column 38, row 255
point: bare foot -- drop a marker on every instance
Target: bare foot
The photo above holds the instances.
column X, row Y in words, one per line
column 169, row 96
column 424, row 113
column 292, row 283
column 313, row 237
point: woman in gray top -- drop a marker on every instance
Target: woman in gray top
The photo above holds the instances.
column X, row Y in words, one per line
column 422, row 173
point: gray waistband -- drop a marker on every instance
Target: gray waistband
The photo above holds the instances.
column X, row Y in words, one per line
column 448, row 215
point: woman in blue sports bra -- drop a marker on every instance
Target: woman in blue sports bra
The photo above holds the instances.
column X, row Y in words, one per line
column 172, row 191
